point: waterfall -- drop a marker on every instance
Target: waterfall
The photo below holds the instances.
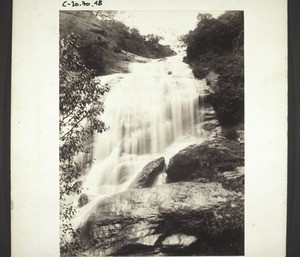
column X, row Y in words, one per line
column 153, row 111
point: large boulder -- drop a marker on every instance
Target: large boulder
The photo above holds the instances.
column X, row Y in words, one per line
column 187, row 218
column 205, row 161
column 149, row 173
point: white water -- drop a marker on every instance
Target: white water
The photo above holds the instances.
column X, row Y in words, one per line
column 151, row 113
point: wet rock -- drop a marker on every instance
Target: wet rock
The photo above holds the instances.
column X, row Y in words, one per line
column 205, row 160
column 166, row 219
column 179, row 240
column 208, row 114
column 232, row 180
column 123, row 174
column 83, row 200
column 208, row 96
column 241, row 136
column 234, row 174
column 149, row 173
column 210, row 125
column 136, row 250
column 209, row 117
column 148, row 240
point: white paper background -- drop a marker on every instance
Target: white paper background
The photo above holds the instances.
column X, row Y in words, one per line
column 35, row 207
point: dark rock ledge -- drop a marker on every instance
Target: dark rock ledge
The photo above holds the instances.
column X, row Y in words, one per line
column 184, row 218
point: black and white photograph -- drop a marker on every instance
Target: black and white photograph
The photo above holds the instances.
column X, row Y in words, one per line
column 151, row 133
column 149, row 128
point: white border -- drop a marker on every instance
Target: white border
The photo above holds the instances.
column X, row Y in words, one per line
column 35, row 223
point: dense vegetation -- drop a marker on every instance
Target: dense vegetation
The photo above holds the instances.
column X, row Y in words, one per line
column 102, row 39
column 217, row 44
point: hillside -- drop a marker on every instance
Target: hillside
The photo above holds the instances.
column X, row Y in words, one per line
column 103, row 43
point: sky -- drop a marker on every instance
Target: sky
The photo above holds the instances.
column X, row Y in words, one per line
column 169, row 24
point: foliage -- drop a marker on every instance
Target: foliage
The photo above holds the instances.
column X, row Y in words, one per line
column 215, row 35
column 203, row 16
column 80, row 109
column 79, row 101
column 217, row 44
column 153, row 39
column 228, row 102
column 102, row 37
column 106, row 15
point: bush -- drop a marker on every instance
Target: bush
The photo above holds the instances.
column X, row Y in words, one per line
column 228, row 102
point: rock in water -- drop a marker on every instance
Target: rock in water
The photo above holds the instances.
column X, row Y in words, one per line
column 190, row 217
column 205, row 160
column 83, row 200
column 149, row 173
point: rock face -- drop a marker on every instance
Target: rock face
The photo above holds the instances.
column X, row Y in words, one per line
column 208, row 114
column 210, row 125
column 205, row 161
column 149, row 173
column 178, row 218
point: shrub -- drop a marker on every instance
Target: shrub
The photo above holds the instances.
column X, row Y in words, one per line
column 228, row 102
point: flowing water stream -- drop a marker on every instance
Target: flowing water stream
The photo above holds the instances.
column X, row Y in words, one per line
column 152, row 112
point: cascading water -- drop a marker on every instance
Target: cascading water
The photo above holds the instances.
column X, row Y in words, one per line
column 152, row 112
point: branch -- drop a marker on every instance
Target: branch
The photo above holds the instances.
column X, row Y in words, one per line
column 79, row 105
column 67, row 133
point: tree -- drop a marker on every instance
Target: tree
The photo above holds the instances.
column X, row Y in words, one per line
column 203, row 16
column 135, row 34
column 154, row 39
column 106, row 15
column 80, row 108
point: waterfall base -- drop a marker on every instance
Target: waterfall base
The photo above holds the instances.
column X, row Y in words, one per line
column 142, row 220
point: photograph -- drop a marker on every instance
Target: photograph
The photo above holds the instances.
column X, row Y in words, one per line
column 151, row 133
